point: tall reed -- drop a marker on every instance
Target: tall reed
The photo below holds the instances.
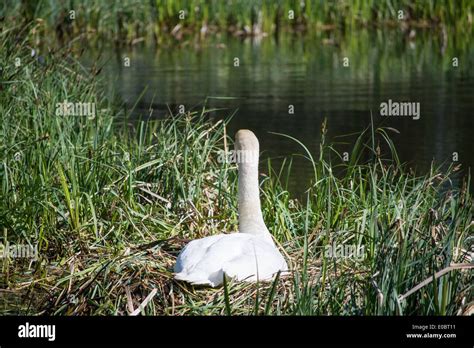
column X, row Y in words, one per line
column 158, row 20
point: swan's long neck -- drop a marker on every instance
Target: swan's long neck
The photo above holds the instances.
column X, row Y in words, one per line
column 250, row 212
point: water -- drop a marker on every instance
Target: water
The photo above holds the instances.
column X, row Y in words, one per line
column 308, row 73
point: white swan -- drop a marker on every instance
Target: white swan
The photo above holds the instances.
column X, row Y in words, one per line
column 249, row 255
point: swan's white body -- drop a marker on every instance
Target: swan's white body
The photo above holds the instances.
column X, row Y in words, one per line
column 249, row 255
column 240, row 256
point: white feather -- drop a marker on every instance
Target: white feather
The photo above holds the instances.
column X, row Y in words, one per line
column 244, row 257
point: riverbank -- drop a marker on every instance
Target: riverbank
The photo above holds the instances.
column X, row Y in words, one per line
column 130, row 22
column 108, row 202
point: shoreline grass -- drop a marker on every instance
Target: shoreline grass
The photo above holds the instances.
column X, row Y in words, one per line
column 109, row 203
column 133, row 21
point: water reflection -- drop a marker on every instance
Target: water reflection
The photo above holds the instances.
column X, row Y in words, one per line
column 307, row 73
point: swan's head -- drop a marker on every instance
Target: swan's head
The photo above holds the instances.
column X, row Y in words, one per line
column 246, row 140
column 246, row 147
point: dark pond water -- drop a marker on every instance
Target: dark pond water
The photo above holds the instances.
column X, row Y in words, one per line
column 308, row 73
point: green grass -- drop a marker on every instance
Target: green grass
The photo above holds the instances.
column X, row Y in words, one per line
column 128, row 20
column 110, row 202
